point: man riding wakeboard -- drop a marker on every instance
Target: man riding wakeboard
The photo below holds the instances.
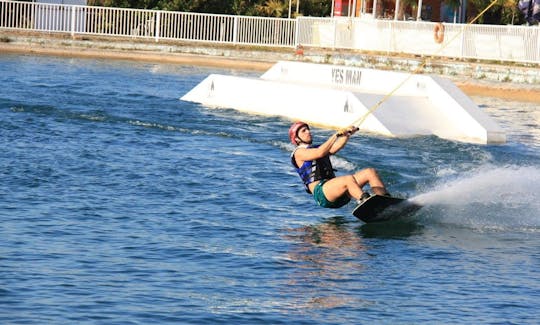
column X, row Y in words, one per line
column 312, row 163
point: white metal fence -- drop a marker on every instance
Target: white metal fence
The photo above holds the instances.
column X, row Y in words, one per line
column 486, row 42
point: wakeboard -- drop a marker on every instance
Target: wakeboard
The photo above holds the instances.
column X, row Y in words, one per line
column 379, row 208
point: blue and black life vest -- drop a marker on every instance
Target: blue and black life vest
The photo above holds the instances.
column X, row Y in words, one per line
column 314, row 170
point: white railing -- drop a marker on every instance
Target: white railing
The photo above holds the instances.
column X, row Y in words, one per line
column 147, row 24
column 485, row 42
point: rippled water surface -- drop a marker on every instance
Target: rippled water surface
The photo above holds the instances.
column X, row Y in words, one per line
column 121, row 204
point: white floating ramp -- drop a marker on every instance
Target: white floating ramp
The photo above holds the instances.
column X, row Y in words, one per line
column 338, row 96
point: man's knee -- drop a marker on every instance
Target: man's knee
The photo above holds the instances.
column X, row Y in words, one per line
column 351, row 179
column 371, row 171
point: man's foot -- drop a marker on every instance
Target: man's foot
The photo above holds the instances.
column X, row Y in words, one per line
column 380, row 191
column 364, row 197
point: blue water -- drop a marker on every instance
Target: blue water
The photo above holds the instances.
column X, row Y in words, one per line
column 121, row 204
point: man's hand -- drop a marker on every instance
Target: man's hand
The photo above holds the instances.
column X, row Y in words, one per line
column 350, row 130
column 353, row 129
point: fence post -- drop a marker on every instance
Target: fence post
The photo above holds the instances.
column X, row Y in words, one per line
column 296, row 40
column 335, row 34
column 388, row 42
column 537, row 56
column 158, row 24
column 73, row 8
column 235, row 30
column 463, row 39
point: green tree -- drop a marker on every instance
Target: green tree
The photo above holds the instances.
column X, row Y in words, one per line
column 273, row 8
column 510, row 13
column 202, row 6
column 502, row 13
column 245, row 7
column 316, row 8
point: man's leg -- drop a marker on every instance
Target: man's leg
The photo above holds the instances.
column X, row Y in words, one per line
column 352, row 185
column 334, row 188
column 370, row 176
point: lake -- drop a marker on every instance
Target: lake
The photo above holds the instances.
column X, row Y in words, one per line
column 121, row 204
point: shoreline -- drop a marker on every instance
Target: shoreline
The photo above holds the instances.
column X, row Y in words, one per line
column 245, row 59
column 134, row 55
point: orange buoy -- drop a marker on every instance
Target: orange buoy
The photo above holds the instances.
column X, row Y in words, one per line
column 438, row 33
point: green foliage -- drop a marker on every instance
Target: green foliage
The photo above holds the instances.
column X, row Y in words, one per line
column 504, row 12
column 273, row 8
column 316, row 8
column 234, row 7
column 244, row 7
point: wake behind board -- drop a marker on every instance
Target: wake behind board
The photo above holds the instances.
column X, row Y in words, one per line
column 379, row 208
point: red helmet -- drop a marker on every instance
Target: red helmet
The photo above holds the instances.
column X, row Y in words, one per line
column 293, row 130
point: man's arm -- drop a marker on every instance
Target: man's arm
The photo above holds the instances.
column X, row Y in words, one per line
column 334, row 143
column 303, row 154
column 342, row 140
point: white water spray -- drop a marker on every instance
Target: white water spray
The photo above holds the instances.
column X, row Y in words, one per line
column 490, row 197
